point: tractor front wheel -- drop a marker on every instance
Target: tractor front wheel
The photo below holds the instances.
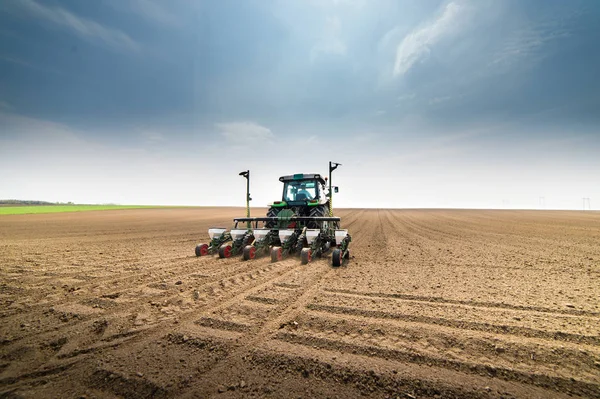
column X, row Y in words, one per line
column 276, row 254
column 201, row 249
column 225, row 251
column 336, row 258
column 249, row 252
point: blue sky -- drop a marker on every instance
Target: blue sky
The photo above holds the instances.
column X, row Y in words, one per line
column 484, row 104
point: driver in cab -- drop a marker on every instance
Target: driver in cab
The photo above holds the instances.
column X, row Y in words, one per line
column 303, row 194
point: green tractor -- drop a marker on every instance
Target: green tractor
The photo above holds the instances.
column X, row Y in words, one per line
column 305, row 195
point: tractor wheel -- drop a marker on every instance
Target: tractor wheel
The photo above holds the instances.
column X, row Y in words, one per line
column 306, row 255
column 225, row 251
column 318, row 211
column 271, row 214
column 249, row 252
column 336, row 258
column 201, row 249
column 276, row 254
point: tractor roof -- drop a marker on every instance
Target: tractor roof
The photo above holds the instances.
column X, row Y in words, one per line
column 302, row 176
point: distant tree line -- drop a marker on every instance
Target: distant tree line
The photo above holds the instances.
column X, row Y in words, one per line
column 30, row 202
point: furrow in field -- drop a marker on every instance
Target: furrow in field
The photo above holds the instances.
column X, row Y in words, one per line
column 535, row 361
column 508, row 328
column 493, row 305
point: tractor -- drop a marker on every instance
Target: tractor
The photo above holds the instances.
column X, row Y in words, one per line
column 301, row 224
column 303, row 194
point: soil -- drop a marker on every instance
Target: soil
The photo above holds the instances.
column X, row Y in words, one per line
column 431, row 304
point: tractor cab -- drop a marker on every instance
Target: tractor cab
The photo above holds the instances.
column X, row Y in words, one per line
column 302, row 189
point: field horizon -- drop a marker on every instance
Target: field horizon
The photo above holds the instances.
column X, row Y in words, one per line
column 25, row 208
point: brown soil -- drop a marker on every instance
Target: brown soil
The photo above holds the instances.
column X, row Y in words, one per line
column 433, row 304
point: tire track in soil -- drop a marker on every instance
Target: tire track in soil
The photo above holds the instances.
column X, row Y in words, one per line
column 549, row 382
column 247, row 268
column 451, row 343
column 152, row 332
column 189, row 320
column 461, row 324
column 375, row 377
column 231, row 264
column 491, row 305
column 523, row 361
column 158, row 265
column 318, row 271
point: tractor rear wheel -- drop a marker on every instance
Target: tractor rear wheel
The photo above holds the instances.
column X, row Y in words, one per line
column 201, row 249
column 336, row 258
column 306, row 255
column 249, row 252
column 225, row 251
column 317, row 211
column 272, row 212
column 276, row 254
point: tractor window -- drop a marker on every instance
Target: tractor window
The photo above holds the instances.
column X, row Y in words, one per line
column 302, row 190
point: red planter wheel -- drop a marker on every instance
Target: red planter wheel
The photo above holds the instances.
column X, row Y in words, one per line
column 306, row 255
column 201, row 249
column 276, row 254
column 249, row 252
column 225, row 251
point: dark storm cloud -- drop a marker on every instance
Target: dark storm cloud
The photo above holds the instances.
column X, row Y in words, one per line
column 82, row 61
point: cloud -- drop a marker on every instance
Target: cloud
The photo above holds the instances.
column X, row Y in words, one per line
column 331, row 41
column 21, row 62
column 17, row 61
column 245, row 132
column 527, row 43
column 149, row 10
column 83, row 27
column 438, row 100
column 406, row 97
column 417, row 44
column 311, row 140
column 152, row 137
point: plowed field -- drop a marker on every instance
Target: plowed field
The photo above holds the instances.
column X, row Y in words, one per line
column 432, row 304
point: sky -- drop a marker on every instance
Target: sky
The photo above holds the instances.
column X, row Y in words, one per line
column 425, row 103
